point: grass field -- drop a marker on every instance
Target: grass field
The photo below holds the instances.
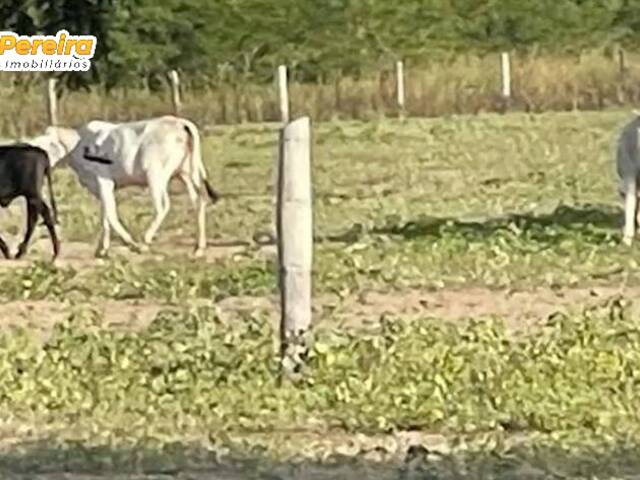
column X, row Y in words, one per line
column 471, row 294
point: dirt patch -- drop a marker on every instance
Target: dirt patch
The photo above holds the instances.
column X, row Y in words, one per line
column 520, row 310
column 81, row 255
column 41, row 316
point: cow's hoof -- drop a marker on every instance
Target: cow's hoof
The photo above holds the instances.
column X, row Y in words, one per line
column 628, row 241
column 140, row 248
column 198, row 253
column 102, row 253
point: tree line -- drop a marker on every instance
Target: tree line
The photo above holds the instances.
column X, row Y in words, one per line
column 217, row 41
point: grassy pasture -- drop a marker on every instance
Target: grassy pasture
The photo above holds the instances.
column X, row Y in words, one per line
column 444, row 247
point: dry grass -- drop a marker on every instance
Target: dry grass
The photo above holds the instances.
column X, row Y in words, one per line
column 467, row 84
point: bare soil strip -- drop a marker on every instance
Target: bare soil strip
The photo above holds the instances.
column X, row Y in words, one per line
column 521, row 310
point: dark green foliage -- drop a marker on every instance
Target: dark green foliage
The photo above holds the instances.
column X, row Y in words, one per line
column 219, row 40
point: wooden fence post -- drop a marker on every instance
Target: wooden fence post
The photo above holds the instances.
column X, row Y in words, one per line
column 295, row 244
column 622, row 63
column 52, row 101
column 619, row 56
column 283, row 96
column 174, row 79
column 337, row 91
column 505, row 68
column 400, row 88
column 283, row 93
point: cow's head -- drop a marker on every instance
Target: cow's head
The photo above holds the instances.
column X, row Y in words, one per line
column 58, row 142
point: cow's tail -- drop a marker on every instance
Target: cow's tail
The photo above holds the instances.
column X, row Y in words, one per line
column 52, row 198
column 213, row 195
column 198, row 172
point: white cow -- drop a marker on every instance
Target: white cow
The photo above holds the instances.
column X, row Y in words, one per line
column 628, row 169
column 108, row 156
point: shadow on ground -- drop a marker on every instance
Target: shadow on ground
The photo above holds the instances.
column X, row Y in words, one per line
column 44, row 461
column 591, row 223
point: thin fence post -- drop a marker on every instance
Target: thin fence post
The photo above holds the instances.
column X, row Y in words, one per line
column 283, row 93
column 52, row 101
column 622, row 61
column 174, row 79
column 337, row 91
column 295, row 245
column 505, row 69
column 619, row 58
column 283, row 96
column 400, row 88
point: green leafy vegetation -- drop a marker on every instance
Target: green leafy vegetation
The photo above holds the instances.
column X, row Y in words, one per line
column 188, row 375
column 114, row 362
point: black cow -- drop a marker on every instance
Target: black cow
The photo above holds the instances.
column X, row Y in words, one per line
column 22, row 171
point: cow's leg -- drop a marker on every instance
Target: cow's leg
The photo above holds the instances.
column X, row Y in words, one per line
column 637, row 210
column 4, row 248
column 32, row 218
column 158, row 185
column 630, row 209
column 106, row 190
column 104, row 241
column 199, row 204
column 49, row 223
column 202, row 226
column 105, row 236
